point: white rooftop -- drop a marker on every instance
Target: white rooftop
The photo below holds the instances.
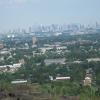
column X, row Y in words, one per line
column 19, row 81
column 62, row 78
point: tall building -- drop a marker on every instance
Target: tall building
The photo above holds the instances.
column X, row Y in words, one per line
column 34, row 40
column 1, row 46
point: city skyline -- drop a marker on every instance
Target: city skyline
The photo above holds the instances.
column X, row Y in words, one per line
column 16, row 14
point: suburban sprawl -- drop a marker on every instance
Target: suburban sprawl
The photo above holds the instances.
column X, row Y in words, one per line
column 50, row 63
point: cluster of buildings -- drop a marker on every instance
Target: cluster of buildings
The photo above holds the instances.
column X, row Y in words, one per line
column 48, row 47
column 10, row 68
column 56, row 30
column 6, row 53
column 58, row 48
column 55, row 61
column 51, row 47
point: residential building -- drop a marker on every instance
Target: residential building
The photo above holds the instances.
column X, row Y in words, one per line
column 87, row 81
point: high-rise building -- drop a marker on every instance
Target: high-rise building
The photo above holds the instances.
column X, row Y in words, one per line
column 34, row 40
column 1, row 46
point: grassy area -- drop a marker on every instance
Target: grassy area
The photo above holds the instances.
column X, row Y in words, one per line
column 51, row 91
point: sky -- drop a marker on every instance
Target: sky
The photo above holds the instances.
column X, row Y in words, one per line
column 24, row 13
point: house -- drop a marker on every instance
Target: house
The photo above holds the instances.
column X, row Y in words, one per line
column 87, row 81
column 44, row 49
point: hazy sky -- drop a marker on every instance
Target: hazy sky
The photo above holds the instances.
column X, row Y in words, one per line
column 24, row 13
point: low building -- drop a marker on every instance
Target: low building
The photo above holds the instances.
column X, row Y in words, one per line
column 10, row 68
column 22, row 61
column 4, row 52
column 35, row 53
column 55, row 61
column 62, row 78
column 87, row 81
column 2, row 58
column 61, row 48
column 19, row 81
column 77, row 62
column 93, row 59
column 44, row 49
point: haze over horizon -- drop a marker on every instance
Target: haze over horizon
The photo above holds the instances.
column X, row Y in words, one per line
column 24, row 13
